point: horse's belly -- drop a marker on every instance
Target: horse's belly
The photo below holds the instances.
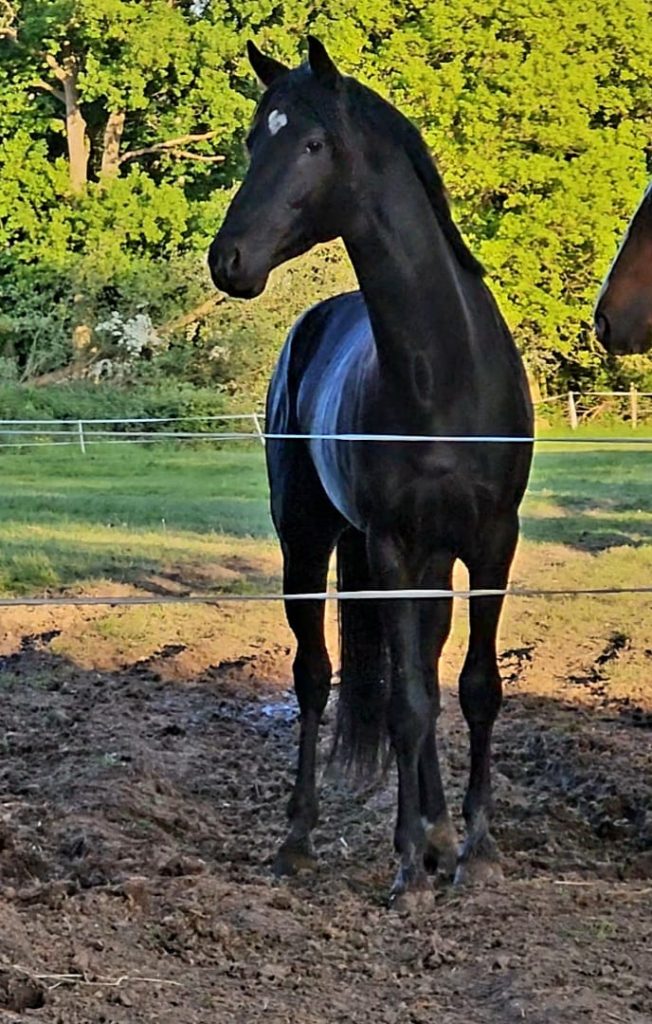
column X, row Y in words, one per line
column 330, row 401
column 403, row 490
column 333, row 463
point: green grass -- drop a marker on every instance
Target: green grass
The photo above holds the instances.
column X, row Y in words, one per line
column 119, row 512
column 154, row 487
column 589, row 497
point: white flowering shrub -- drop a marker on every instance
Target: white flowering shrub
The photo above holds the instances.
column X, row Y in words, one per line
column 127, row 338
column 133, row 334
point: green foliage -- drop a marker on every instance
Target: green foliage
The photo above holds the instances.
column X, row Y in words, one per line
column 539, row 115
column 87, row 401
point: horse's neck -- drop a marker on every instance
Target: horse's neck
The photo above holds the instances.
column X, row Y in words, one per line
column 416, row 292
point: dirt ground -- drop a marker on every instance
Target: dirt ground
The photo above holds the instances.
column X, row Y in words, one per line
column 144, row 771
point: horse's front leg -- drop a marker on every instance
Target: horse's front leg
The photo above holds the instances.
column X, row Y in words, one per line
column 306, row 569
column 481, row 698
column 409, row 714
column 441, row 840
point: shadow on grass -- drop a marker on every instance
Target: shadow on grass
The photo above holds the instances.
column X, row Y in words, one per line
column 587, row 533
column 605, row 498
column 31, row 564
column 179, row 511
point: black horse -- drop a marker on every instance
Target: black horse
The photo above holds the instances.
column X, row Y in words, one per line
column 623, row 314
column 420, row 349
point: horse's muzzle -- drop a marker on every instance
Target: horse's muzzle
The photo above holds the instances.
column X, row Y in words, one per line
column 622, row 334
column 229, row 271
column 602, row 329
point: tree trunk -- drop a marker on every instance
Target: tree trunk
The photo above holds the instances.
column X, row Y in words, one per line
column 78, row 148
column 204, row 309
column 82, row 333
column 111, row 147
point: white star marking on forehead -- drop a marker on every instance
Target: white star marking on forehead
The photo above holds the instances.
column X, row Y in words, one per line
column 276, row 120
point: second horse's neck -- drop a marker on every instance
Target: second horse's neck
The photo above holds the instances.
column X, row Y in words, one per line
column 417, row 294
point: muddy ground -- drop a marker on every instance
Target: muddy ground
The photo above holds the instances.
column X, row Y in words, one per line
column 142, row 796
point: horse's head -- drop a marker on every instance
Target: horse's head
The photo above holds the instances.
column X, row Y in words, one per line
column 294, row 194
column 623, row 314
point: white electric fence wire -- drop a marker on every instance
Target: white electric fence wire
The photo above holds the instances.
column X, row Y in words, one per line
column 330, row 595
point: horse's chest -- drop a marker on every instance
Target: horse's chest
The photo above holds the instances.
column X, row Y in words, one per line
column 384, row 486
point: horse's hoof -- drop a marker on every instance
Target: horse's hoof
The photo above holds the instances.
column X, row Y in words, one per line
column 290, row 860
column 411, row 901
column 442, row 850
column 441, row 865
column 478, row 871
column 410, row 892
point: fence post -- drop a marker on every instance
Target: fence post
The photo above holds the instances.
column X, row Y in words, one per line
column 80, row 431
column 258, row 427
column 633, row 405
column 572, row 410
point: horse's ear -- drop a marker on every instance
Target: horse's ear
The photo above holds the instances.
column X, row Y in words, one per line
column 267, row 69
column 321, row 64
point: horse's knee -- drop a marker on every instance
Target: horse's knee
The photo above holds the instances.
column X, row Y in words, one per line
column 312, row 681
column 481, row 693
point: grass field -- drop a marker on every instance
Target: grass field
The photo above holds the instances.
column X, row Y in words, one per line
column 120, row 513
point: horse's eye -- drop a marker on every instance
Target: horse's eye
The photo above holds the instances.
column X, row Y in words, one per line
column 314, row 146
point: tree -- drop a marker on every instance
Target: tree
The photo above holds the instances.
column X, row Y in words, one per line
column 540, row 115
column 120, row 94
column 119, row 121
column 122, row 123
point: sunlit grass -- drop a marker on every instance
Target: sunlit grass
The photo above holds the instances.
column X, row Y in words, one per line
column 199, row 516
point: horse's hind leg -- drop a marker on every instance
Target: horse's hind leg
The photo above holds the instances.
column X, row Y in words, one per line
column 409, row 712
column 308, row 532
column 441, row 840
column 481, row 696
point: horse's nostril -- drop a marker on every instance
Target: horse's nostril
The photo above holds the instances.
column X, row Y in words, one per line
column 602, row 328
column 234, row 261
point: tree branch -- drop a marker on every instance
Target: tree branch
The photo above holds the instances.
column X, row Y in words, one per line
column 159, row 147
column 74, row 371
column 61, row 73
column 113, row 130
column 204, row 309
column 41, row 84
column 217, row 159
column 8, row 17
column 76, row 137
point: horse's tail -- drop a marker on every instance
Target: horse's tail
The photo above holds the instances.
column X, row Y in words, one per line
column 361, row 737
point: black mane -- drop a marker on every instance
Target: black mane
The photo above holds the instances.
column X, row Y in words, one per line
column 383, row 117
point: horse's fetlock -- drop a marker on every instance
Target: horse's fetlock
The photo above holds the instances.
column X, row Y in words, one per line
column 305, row 810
